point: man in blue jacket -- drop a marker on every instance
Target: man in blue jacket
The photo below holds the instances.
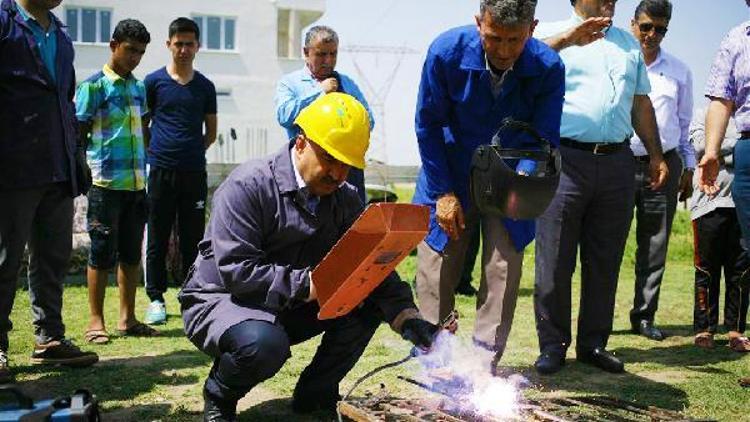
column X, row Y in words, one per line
column 473, row 78
column 298, row 89
column 39, row 173
column 251, row 294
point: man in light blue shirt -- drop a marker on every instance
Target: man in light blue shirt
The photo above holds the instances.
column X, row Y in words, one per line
column 298, row 89
column 606, row 99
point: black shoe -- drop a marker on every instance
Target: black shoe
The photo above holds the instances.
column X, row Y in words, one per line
column 647, row 329
column 466, row 289
column 602, row 359
column 308, row 402
column 215, row 411
column 549, row 362
column 62, row 352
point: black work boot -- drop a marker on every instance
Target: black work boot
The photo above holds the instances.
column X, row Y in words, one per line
column 217, row 411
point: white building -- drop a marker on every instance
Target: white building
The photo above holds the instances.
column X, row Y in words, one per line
column 246, row 46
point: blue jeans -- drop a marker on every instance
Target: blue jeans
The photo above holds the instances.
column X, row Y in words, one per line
column 741, row 187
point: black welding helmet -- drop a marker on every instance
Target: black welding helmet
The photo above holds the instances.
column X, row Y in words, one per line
column 496, row 187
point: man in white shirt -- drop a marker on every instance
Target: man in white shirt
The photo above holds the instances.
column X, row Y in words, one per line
column 672, row 97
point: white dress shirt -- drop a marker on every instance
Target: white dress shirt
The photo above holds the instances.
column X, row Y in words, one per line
column 672, row 97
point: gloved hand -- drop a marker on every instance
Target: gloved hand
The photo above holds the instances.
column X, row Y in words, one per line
column 420, row 332
column 83, row 172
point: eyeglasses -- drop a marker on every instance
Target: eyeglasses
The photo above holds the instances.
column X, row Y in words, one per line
column 647, row 27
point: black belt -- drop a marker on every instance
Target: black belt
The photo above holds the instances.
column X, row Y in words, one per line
column 596, row 148
column 745, row 134
column 646, row 158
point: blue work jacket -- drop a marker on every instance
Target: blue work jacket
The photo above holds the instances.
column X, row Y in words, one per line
column 37, row 114
column 456, row 112
column 260, row 244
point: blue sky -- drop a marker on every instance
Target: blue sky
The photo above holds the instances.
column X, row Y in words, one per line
column 693, row 37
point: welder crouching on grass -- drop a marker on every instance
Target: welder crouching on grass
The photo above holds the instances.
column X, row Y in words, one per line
column 249, row 296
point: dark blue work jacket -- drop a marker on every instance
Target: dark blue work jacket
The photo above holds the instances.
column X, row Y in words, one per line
column 260, row 244
column 456, row 112
column 37, row 114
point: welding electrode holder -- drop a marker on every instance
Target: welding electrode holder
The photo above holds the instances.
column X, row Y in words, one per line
column 449, row 323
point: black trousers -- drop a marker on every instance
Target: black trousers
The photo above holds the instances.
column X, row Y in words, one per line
column 717, row 246
column 179, row 195
column 254, row 351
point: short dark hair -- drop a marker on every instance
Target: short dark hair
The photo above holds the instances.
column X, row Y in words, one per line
column 654, row 9
column 509, row 12
column 183, row 24
column 322, row 33
column 572, row 2
column 131, row 30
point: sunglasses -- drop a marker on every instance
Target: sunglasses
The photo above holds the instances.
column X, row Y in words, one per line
column 647, row 27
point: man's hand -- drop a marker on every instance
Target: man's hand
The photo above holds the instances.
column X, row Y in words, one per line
column 329, row 85
column 419, row 332
column 686, row 185
column 450, row 215
column 83, row 171
column 659, row 171
column 708, row 170
column 587, row 31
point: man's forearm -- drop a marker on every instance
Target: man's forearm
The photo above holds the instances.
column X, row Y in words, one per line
column 558, row 42
column 717, row 120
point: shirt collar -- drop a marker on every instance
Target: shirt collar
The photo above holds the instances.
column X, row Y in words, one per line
column 660, row 59
column 297, row 176
column 112, row 75
column 283, row 170
column 476, row 58
column 26, row 16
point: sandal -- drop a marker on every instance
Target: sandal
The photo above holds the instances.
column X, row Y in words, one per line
column 96, row 337
column 704, row 340
column 739, row 344
column 138, row 329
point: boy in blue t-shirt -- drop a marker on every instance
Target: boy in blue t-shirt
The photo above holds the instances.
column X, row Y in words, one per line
column 183, row 125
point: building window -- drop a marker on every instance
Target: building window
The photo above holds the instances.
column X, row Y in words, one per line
column 289, row 26
column 89, row 25
column 217, row 32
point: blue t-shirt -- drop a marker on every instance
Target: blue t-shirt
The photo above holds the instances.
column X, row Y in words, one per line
column 177, row 115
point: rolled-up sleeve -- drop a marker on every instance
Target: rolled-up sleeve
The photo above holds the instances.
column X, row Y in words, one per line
column 237, row 223
column 433, row 107
column 721, row 81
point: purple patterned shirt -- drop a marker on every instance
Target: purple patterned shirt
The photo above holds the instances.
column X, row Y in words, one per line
column 730, row 74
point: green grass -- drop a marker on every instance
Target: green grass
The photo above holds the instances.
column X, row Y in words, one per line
column 161, row 378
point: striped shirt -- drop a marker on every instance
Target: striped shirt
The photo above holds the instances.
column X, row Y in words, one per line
column 114, row 107
column 729, row 78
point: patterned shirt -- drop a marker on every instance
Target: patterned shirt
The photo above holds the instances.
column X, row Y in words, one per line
column 729, row 78
column 114, row 106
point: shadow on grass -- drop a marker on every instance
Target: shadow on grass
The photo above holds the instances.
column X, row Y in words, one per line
column 669, row 330
column 578, row 378
column 120, row 380
column 279, row 410
column 681, row 356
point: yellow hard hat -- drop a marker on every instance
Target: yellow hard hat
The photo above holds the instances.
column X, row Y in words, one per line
column 340, row 125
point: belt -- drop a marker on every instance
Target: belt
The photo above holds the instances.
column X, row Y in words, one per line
column 596, row 148
column 745, row 134
column 646, row 158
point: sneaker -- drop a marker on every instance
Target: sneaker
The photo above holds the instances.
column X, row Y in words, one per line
column 5, row 375
column 62, row 352
column 156, row 314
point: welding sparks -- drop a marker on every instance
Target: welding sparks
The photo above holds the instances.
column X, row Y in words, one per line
column 461, row 370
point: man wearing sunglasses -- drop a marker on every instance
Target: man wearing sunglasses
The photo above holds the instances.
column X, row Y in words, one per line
column 672, row 97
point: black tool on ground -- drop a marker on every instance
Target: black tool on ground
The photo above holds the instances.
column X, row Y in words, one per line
column 15, row 405
column 449, row 323
column 498, row 189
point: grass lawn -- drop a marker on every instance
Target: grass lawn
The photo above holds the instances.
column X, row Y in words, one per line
column 161, row 378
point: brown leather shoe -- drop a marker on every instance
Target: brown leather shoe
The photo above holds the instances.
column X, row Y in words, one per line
column 62, row 352
column 739, row 344
column 704, row 340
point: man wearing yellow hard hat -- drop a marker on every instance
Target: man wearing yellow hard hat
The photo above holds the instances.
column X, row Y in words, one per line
column 249, row 295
